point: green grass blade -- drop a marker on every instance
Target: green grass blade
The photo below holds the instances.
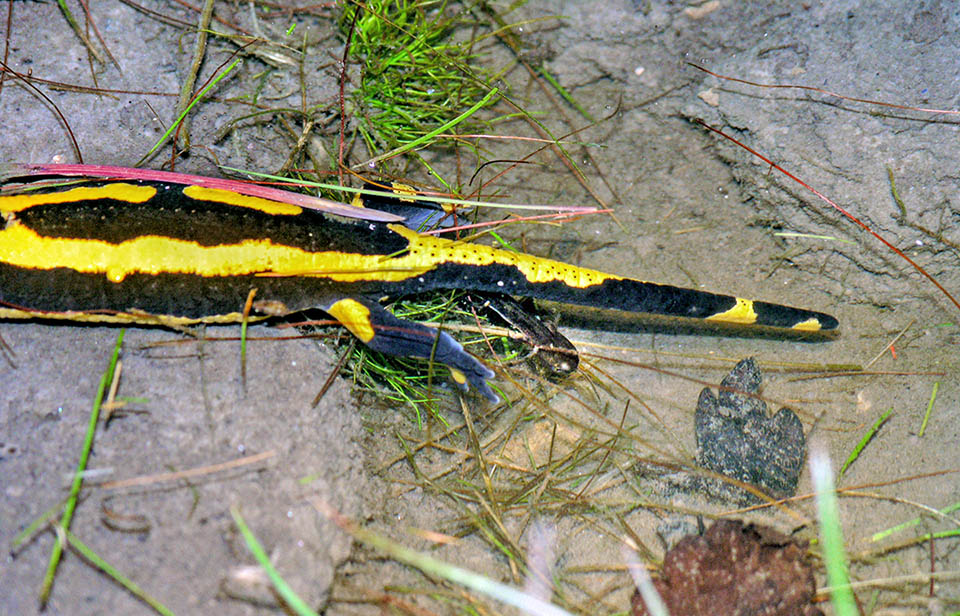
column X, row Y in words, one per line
column 36, row 525
column 566, row 95
column 863, row 443
column 926, row 416
column 440, row 569
column 883, row 534
column 71, row 505
column 811, row 236
column 440, row 129
column 196, row 99
column 114, row 573
column 292, row 599
column 79, row 31
column 831, row 533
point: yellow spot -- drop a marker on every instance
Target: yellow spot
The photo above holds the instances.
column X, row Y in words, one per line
column 432, row 251
column 404, row 189
column 116, row 274
column 120, row 191
column 742, row 313
column 810, row 325
column 357, row 200
column 458, row 377
column 354, row 316
column 201, row 193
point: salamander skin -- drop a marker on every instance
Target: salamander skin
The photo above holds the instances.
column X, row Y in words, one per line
column 165, row 254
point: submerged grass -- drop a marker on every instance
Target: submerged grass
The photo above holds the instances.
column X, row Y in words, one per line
column 291, row 599
column 864, row 441
column 434, row 567
column 831, row 534
column 73, row 498
column 114, row 573
column 419, row 384
column 414, row 75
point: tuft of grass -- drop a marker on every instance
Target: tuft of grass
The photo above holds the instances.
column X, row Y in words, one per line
column 414, row 76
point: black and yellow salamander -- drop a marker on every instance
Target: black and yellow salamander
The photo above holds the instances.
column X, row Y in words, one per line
column 156, row 253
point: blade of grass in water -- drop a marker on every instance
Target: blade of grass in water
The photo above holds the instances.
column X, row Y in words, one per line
column 35, row 526
column 438, row 568
column 292, row 599
column 926, row 416
column 196, row 99
column 915, row 521
column 831, row 533
column 71, row 505
column 863, row 443
column 114, row 573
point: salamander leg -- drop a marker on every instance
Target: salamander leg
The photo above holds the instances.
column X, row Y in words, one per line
column 552, row 355
column 381, row 331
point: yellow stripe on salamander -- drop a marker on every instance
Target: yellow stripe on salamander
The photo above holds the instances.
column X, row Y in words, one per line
column 119, row 191
column 742, row 313
column 201, row 193
column 154, row 254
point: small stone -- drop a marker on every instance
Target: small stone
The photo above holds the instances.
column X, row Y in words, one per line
column 736, row 438
column 735, row 569
column 709, row 97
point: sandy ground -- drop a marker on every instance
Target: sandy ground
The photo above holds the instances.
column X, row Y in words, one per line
column 690, row 210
